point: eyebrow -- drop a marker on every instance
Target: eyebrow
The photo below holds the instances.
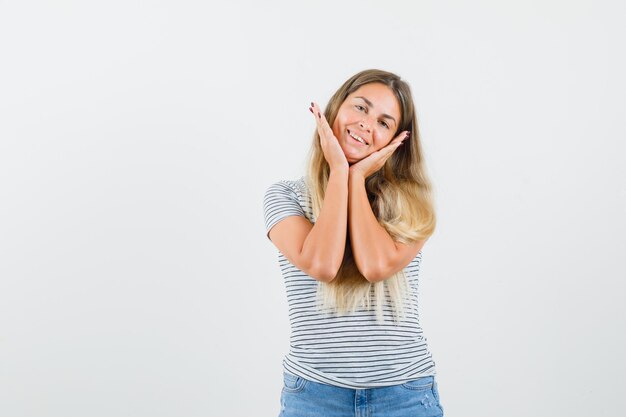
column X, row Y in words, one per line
column 369, row 103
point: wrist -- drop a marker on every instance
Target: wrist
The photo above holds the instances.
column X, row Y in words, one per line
column 340, row 169
column 340, row 173
column 356, row 176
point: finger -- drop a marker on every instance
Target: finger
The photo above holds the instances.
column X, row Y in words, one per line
column 389, row 149
column 383, row 158
column 397, row 141
column 317, row 111
column 313, row 109
column 402, row 137
column 319, row 116
column 324, row 128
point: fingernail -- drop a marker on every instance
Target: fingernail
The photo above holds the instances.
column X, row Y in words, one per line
column 311, row 110
column 319, row 115
column 311, row 104
column 408, row 133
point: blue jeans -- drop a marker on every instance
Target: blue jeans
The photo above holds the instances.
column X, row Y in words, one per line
column 303, row 398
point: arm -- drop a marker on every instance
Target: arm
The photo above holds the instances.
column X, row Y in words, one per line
column 376, row 254
column 318, row 249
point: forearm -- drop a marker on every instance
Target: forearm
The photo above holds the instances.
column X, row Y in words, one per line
column 326, row 242
column 372, row 246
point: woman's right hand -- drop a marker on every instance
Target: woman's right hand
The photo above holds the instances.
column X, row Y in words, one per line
column 330, row 145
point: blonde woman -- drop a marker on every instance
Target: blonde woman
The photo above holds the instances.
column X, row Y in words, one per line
column 350, row 235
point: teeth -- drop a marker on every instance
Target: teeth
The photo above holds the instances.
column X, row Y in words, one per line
column 357, row 138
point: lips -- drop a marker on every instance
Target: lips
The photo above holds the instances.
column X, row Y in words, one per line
column 355, row 139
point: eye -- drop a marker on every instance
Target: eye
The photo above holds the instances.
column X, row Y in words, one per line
column 385, row 124
column 358, row 106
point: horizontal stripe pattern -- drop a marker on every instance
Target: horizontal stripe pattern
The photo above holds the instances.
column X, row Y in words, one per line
column 353, row 350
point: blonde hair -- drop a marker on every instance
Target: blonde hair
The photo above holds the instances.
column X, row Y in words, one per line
column 400, row 194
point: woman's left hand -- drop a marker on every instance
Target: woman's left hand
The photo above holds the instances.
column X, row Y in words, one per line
column 372, row 163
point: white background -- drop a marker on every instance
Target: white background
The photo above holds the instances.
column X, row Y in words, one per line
column 137, row 140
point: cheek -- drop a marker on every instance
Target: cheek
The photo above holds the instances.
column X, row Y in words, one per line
column 336, row 129
column 385, row 137
column 339, row 125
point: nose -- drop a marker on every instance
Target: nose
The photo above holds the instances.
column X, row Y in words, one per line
column 364, row 125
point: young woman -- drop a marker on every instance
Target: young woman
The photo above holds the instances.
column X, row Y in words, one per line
column 350, row 235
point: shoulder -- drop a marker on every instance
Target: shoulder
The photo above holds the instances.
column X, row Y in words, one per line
column 282, row 199
column 289, row 194
column 294, row 186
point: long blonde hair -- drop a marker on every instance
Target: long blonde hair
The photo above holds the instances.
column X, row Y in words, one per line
column 400, row 194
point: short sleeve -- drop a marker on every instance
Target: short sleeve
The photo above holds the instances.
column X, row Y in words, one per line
column 280, row 201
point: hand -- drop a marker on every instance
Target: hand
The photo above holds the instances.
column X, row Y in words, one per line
column 375, row 161
column 330, row 145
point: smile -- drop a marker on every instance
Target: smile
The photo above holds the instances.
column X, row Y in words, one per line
column 357, row 138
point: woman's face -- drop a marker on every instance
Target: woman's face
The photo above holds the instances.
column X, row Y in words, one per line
column 371, row 113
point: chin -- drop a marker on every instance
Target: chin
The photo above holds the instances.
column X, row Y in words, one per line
column 352, row 160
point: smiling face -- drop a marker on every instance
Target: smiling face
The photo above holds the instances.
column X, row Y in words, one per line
column 366, row 121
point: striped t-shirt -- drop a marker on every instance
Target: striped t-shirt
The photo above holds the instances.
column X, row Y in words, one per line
column 353, row 350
